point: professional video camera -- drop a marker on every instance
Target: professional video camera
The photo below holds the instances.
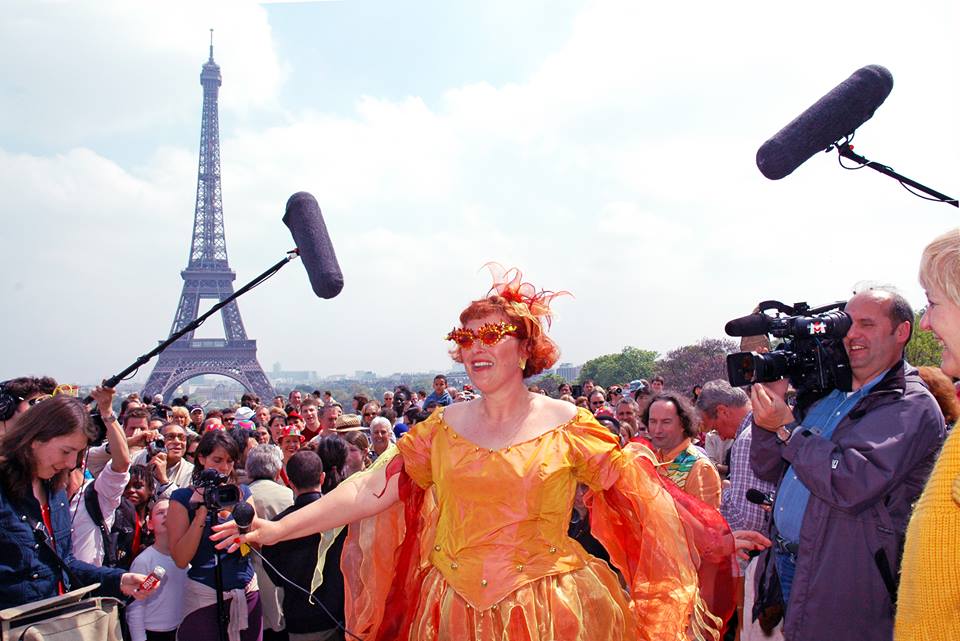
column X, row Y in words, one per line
column 811, row 355
column 217, row 493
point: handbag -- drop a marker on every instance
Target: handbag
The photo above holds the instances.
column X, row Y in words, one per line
column 73, row 616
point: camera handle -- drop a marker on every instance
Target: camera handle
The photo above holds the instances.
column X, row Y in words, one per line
column 223, row 617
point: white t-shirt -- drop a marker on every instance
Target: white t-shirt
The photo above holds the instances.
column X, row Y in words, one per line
column 87, row 541
column 162, row 611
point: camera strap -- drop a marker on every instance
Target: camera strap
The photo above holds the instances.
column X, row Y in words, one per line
column 91, row 501
column 41, row 535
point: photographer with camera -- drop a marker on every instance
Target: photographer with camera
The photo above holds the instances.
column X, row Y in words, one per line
column 849, row 467
column 164, row 457
column 215, row 577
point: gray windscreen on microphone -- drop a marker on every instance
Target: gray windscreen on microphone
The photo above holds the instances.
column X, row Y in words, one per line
column 833, row 117
column 305, row 221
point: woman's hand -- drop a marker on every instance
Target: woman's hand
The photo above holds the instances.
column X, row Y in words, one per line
column 130, row 585
column 747, row 541
column 261, row 532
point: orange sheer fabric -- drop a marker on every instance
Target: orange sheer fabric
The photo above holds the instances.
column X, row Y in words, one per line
column 477, row 548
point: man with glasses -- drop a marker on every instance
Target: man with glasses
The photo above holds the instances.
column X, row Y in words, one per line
column 597, row 401
column 171, row 470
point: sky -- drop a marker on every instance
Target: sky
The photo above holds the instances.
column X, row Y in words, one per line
column 604, row 147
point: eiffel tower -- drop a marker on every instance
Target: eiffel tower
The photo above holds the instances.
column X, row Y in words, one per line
column 208, row 276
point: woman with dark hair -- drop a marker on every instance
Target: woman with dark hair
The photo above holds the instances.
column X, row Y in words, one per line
column 333, row 452
column 471, row 509
column 358, row 402
column 36, row 558
column 189, row 528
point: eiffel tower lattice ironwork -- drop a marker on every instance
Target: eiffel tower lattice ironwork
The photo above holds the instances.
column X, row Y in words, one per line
column 208, row 276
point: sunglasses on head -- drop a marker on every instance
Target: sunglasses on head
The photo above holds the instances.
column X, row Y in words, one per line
column 489, row 334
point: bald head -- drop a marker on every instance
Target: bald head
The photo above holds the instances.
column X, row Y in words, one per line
column 881, row 325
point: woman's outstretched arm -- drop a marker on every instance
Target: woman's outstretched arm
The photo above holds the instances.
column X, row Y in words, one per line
column 356, row 498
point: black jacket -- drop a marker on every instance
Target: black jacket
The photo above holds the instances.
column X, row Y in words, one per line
column 297, row 560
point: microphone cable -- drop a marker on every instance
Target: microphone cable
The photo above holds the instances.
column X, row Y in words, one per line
column 311, row 599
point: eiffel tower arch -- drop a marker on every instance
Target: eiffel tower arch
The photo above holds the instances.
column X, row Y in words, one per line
column 208, row 276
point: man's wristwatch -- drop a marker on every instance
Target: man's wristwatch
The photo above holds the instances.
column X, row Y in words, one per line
column 108, row 418
column 783, row 434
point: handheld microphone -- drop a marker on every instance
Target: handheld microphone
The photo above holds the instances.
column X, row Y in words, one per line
column 153, row 579
column 752, row 325
column 756, row 496
column 305, row 221
column 833, row 117
column 243, row 514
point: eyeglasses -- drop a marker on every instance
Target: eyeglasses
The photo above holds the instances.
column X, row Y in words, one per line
column 596, row 402
column 369, row 413
column 175, row 437
column 489, row 334
column 228, row 419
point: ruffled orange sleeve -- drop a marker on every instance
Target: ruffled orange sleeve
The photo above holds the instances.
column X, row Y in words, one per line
column 415, row 447
column 668, row 549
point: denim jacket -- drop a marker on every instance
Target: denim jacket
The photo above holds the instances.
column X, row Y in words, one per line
column 28, row 569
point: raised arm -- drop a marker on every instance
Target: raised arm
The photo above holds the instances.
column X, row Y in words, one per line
column 356, row 498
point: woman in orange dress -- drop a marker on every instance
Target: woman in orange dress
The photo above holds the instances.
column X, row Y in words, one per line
column 460, row 531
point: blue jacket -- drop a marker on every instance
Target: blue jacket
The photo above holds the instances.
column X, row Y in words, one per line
column 28, row 569
column 863, row 482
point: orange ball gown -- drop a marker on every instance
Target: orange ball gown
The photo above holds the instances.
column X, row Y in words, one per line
column 477, row 547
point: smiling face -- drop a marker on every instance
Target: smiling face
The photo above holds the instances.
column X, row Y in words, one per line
column 943, row 319
column 175, row 440
column 381, row 436
column 289, row 446
column 873, row 344
column 491, row 367
column 58, row 454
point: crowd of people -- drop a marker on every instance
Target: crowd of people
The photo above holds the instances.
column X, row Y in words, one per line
column 499, row 511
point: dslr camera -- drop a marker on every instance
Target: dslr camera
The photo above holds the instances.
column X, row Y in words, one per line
column 217, row 493
column 811, row 354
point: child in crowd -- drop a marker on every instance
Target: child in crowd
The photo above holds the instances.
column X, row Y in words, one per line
column 158, row 617
column 130, row 525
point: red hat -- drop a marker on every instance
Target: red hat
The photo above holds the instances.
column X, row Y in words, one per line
column 291, row 430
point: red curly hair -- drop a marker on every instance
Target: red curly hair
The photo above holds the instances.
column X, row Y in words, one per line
column 540, row 350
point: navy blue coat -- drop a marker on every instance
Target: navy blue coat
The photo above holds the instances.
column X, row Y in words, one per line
column 28, row 569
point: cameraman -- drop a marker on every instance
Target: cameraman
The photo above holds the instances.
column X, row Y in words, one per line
column 849, row 469
column 189, row 535
column 170, row 469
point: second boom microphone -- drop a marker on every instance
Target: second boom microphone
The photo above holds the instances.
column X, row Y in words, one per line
column 833, row 117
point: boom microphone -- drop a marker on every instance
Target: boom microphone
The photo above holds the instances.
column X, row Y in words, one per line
column 305, row 221
column 752, row 325
column 833, row 117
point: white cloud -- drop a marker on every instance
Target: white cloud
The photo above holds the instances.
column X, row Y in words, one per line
column 78, row 70
column 621, row 170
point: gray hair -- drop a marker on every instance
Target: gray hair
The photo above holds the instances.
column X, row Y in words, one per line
column 720, row 392
column 381, row 420
column 264, row 462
